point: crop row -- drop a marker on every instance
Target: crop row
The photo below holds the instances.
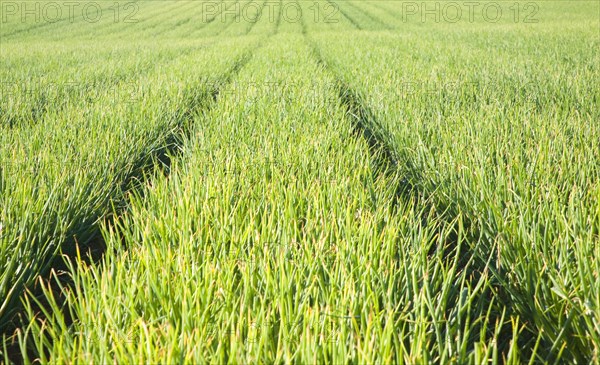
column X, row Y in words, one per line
column 188, row 274
column 60, row 176
column 522, row 171
column 293, row 202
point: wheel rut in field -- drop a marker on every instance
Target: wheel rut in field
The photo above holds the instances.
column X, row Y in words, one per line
column 474, row 258
column 33, row 27
column 93, row 246
column 57, row 91
column 82, row 229
column 238, row 17
column 34, row 115
column 346, row 15
column 278, row 20
column 207, row 21
column 369, row 15
column 257, row 18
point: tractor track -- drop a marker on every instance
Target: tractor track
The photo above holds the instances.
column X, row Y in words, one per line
column 92, row 248
column 476, row 257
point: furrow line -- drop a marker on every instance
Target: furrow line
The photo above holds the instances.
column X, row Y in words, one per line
column 476, row 260
column 345, row 14
column 159, row 162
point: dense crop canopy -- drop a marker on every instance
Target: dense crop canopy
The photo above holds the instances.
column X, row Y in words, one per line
column 299, row 181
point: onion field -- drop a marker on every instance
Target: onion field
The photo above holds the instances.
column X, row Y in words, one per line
column 300, row 181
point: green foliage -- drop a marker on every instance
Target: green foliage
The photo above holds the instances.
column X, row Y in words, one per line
column 348, row 186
